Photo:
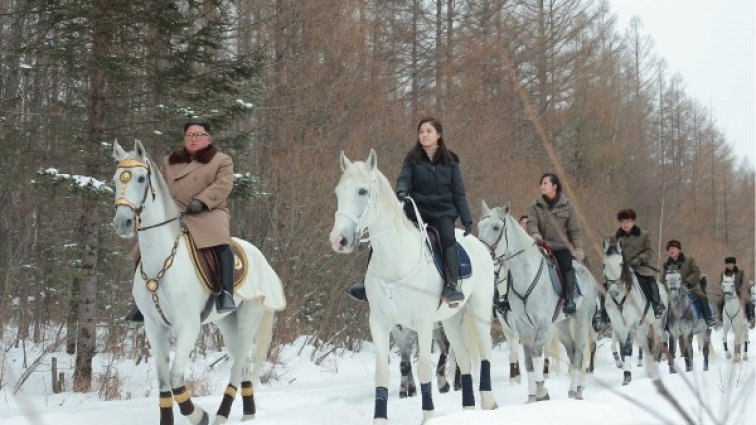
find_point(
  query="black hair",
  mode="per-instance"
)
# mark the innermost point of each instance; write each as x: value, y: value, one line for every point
x: 442, y: 155
x: 554, y: 180
x: 201, y: 123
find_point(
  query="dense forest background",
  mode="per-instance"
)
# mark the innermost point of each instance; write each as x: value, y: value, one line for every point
x: 288, y: 84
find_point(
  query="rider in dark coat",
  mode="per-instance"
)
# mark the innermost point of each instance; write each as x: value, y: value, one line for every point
x: 431, y: 177
x: 691, y: 275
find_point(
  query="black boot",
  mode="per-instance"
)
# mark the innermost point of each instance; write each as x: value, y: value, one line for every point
x: 750, y: 314
x: 134, y: 315
x: 357, y: 291
x: 502, y: 304
x: 224, y: 301
x: 569, y: 282
x: 703, y: 302
x: 600, y: 317
x: 656, y: 300
x: 452, y: 293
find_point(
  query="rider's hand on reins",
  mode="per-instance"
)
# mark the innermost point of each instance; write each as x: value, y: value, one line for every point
x: 195, y: 207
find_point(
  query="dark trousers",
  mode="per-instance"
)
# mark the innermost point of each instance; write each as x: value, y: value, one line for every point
x: 564, y: 259
x: 445, y: 227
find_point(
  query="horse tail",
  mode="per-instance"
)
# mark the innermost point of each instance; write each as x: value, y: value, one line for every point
x: 553, y: 350
x: 262, y: 342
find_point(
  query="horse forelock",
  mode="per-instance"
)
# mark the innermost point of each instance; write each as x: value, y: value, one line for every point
x: 386, y: 196
x: 612, y: 250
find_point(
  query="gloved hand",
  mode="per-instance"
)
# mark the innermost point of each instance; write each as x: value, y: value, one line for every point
x: 635, y: 263
x: 468, y: 228
x: 195, y: 207
x: 402, y: 195
x: 579, y: 254
x: 538, y: 238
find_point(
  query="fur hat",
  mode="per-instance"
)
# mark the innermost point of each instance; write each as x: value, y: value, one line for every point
x: 730, y: 260
x: 674, y: 243
x: 626, y: 214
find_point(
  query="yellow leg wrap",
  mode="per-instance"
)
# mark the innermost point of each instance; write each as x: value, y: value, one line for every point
x: 181, y: 397
x: 230, y: 391
x: 246, y: 392
x: 166, y: 402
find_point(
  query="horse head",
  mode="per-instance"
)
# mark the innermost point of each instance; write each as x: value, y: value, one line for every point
x: 613, y: 267
x: 356, y: 194
x: 133, y: 184
x: 492, y: 229
x: 674, y: 280
x: 728, y: 286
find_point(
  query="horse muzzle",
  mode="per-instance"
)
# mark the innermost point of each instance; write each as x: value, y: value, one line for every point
x: 342, y: 244
x: 123, y: 223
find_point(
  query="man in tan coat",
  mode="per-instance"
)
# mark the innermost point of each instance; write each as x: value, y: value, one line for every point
x: 691, y: 275
x: 200, y: 178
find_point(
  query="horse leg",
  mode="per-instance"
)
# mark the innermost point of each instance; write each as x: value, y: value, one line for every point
x: 453, y: 328
x: 157, y: 335
x: 530, y: 369
x: 262, y: 340
x: 541, y: 393
x: 481, y: 330
x: 640, y: 356
x: 565, y: 336
x: 725, y: 331
x: 706, y: 345
x: 670, y: 351
x: 627, y: 358
x: 239, y: 330
x: 186, y: 337
x: 615, y: 350
x: 443, y: 345
x: 380, y: 333
x: 425, y: 368
x: 403, y: 339
x: 689, y: 353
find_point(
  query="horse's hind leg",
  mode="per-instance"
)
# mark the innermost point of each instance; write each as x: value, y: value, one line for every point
x: 481, y: 331
x: 453, y: 328
x: 706, y: 345
x: 443, y: 345
x: 158, y: 338
x: 403, y: 338
x: 688, y: 343
x: 186, y: 337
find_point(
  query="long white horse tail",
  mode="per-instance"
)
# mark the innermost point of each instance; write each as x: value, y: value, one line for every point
x: 262, y: 342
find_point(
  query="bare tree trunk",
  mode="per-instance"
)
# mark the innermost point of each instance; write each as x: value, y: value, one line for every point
x: 415, y: 67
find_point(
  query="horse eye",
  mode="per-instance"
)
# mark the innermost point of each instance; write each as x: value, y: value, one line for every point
x: 496, y: 228
x: 363, y: 192
x: 141, y: 179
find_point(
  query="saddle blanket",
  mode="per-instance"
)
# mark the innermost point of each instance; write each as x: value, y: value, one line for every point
x: 465, y: 266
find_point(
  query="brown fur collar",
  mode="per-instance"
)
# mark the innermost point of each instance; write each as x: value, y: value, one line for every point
x: 182, y: 155
x: 634, y: 231
x: 670, y: 261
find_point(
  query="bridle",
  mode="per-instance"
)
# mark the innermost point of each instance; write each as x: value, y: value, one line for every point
x: 360, y: 229
x: 152, y: 284
x: 125, y: 179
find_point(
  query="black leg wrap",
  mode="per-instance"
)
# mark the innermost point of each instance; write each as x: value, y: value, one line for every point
x: 166, y: 408
x: 228, y: 399
x: 381, y: 403
x: 186, y: 407
x: 248, y: 398
x: 425, y: 392
x: 468, y: 398
x: 485, y: 375
x: 405, y: 368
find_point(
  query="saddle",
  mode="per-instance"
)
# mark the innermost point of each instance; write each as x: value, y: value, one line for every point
x: 555, y: 274
x: 463, y: 259
x: 207, y: 265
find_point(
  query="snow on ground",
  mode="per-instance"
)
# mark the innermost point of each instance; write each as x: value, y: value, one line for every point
x: 340, y: 391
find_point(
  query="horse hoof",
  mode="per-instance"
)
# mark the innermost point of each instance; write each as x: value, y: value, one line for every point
x: 627, y: 378
x: 531, y: 399
x: 220, y: 420
x: 205, y: 420
x: 672, y: 370
x: 412, y: 392
x: 445, y: 389
x: 544, y: 398
x: 619, y: 365
x: 579, y: 392
x: 247, y: 418
x: 402, y: 394
x: 728, y: 355
x: 572, y: 394
x: 545, y: 375
x: 690, y: 369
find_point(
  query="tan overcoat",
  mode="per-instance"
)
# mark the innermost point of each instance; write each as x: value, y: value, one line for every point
x: 208, y: 177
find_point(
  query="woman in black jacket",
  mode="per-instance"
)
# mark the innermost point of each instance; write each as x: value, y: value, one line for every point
x: 431, y: 176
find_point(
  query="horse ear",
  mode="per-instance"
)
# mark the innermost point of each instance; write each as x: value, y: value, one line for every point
x: 118, y: 152
x: 605, y: 243
x: 484, y: 207
x: 139, y: 149
x: 344, y: 161
x: 506, y: 207
x: 372, y: 160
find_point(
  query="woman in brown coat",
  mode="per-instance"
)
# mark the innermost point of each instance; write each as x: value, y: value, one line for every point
x: 552, y: 219
x: 200, y: 178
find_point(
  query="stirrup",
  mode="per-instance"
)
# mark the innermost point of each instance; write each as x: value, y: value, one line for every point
x: 453, y: 296
x: 224, y: 302
x: 569, y: 307
x: 134, y: 315
x: 659, y: 311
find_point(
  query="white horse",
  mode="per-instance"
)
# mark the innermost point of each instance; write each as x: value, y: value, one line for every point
x: 630, y: 311
x: 171, y: 296
x: 403, y: 285
x: 683, y: 323
x: 535, y: 304
x: 733, y: 317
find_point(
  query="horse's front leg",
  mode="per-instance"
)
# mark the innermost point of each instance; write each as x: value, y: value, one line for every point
x: 186, y: 337
x: 158, y: 336
x: 380, y: 331
x: 425, y: 368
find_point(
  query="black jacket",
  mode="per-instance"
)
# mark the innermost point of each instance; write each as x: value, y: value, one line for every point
x: 437, y: 188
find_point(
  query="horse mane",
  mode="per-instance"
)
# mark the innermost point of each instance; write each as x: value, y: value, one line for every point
x: 612, y: 249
